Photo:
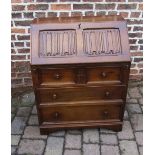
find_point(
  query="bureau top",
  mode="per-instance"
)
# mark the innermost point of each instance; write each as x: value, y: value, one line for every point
x: 77, y: 19
x: 63, y: 40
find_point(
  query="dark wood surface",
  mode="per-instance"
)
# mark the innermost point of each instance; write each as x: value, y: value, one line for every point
x: 80, y: 91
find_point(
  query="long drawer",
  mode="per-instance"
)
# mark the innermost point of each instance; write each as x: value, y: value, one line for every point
x: 80, y: 94
x: 71, y: 113
x: 72, y: 75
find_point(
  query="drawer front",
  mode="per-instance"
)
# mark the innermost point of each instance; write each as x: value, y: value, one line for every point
x: 80, y: 94
x: 56, y: 76
x: 80, y: 113
x: 104, y: 74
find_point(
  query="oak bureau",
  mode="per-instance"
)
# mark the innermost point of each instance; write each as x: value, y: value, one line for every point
x: 80, y: 70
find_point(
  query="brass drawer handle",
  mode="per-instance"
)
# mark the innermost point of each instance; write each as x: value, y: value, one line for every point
x: 105, y: 114
x: 104, y: 75
x: 57, y: 76
x: 107, y: 93
x: 54, y: 96
x: 56, y: 115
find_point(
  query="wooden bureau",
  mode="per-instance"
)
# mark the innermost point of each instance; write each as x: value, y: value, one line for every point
x: 80, y: 70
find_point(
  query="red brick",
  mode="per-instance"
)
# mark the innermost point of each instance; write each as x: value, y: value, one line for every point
x: 126, y: 6
x: 112, y: 13
x: 16, y: 15
x: 23, y: 75
x: 133, y: 47
x: 133, y: 71
x: 40, y: 14
x: 37, y: 7
x: 28, y: 15
x: 12, y: 64
x: 16, y: 81
x: 52, y: 14
x: 89, y: 13
x: 18, y: 7
x: 134, y: 21
x: 27, y: 1
x: 141, y: 71
x: 18, y: 57
x: 115, y: 0
x: 76, y: 13
x: 64, y: 14
x: 19, y: 44
x: 17, y: 30
x: 135, y: 0
x: 138, y: 28
x: 140, y: 65
x: 23, y: 37
x: 136, y: 54
x: 124, y: 14
x: 101, y: 13
x: 138, y: 59
x: 12, y: 45
x: 140, y: 41
x: 132, y: 41
x: 82, y: 6
x: 46, y: 0
x: 23, y: 23
x: 28, y: 44
x: 140, y: 7
x: 23, y: 66
x: 69, y: 0
x: 133, y: 65
x: 92, y: 0
x: 135, y: 14
x: 14, y: 69
x: 13, y: 37
x: 13, y: 75
x: 13, y: 51
x: 24, y: 50
x: 136, y: 77
x: 16, y: 1
x: 141, y: 47
x: 135, y: 35
x: 27, y: 81
x: 105, y: 6
x: 60, y: 6
x: 129, y: 28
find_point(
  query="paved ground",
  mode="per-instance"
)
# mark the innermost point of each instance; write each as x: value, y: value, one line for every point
x: 27, y: 140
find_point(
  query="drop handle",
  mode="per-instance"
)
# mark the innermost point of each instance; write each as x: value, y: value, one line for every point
x: 105, y: 114
x: 57, y: 76
x: 107, y: 93
x: 54, y: 96
x: 56, y: 115
x: 104, y: 75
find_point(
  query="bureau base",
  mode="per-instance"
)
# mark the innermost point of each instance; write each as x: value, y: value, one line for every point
x: 46, y: 129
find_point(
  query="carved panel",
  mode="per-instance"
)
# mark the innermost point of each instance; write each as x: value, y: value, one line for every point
x: 101, y: 42
x: 57, y: 43
x: 81, y: 76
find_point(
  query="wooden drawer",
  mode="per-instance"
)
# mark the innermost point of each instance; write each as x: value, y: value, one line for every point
x: 56, y: 76
x: 104, y: 74
x: 80, y: 94
x: 91, y: 112
x: 77, y: 74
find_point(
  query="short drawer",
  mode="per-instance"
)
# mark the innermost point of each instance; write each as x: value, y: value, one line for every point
x: 104, y: 74
x: 80, y: 94
x: 90, y: 112
x: 56, y: 76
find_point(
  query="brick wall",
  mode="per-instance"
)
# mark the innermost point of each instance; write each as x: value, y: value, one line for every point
x: 24, y: 11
